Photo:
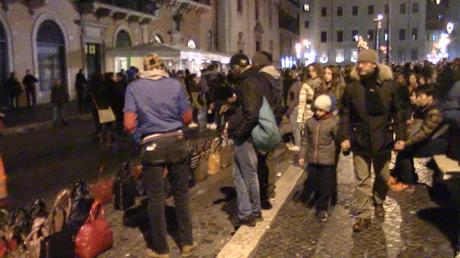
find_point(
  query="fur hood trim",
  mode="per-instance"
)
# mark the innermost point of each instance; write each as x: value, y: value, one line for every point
x: 385, y: 73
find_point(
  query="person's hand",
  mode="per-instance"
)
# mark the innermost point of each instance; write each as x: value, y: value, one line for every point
x: 301, y: 162
x: 224, y: 108
x: 345, y: 145
x: 400, y: 145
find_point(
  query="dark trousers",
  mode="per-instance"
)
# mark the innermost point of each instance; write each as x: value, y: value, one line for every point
x: 14, y: 101
x: 171, y: 153
x: 31, y: 97
x: 267, y: 167
x: 80, y: 99
x: 404, y: 169
x: 322, y: 180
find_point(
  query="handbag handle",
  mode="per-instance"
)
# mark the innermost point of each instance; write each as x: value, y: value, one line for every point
x: 95, y: 212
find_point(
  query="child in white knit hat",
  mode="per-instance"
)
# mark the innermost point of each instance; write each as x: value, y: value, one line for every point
x: 318, y: 150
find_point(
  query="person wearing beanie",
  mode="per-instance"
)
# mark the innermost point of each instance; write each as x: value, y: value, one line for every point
x: 318, y: 150
x: 272, y: 86
x: 155, y: 111
x: 370, y: 104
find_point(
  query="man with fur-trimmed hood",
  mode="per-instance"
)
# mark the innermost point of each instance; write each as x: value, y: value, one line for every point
x: 370, y: 116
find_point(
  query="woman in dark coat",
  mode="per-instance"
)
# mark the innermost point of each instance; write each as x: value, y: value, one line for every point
x: 59, y: 98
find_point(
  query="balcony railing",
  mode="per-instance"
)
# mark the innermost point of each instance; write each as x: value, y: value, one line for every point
x: 149, y: 7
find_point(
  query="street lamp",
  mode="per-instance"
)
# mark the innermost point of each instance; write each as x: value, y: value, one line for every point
x: 378, y: 26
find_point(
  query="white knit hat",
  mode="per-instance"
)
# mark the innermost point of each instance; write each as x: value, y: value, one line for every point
x: 323, y: 102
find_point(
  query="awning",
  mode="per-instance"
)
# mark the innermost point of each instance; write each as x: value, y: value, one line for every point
x: 170, y: 52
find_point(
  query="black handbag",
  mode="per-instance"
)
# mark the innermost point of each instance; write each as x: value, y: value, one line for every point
x: 58, y: 245
x: 80, y: 207
x: 124, y: 189
x: 136, y: 216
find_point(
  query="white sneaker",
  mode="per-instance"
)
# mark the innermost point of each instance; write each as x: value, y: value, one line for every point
x: 193, y: 125
x: 294, y: 148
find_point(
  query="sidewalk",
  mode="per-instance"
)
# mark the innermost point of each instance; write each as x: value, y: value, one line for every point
x: 26, y: 119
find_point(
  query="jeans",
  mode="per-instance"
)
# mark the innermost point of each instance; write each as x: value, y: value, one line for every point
x: 168, y: 152
x: 295, y: 126
x: 246, y: 180
x: 323, y: 179
x: 58, y: 115
x: 370, y: 193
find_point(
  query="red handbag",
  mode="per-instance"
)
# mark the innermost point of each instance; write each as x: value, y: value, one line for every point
x: 95, y: 236
x: 102, y: 189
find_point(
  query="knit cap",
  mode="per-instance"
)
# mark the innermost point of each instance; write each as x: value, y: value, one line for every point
x: 323, y: 102
x: 368, y: 55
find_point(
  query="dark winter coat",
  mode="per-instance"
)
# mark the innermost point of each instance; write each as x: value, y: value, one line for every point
x: 319, y: 142
x: 29, y: 81
x: 244, y: 115
x: 103, y: 95
x: 59, y: 95
x: 80, y: 81
x: 429, y: 120
x: 13, y: 86
x: 372, y: 114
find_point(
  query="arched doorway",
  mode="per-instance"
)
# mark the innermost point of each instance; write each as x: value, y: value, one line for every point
x: 122, y: 40
x: 3, y: 66
x: 50, y: 55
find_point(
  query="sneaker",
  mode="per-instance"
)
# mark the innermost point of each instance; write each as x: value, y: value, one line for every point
x: 322, y: 216
x: 266, y: 204
x: 246, y: 221
x: 188, y: 250
x: 257, y: 216
x: 150, y: 253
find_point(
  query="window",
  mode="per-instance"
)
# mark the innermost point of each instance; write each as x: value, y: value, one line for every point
x: 307, y: 24
x: 370, y: 35
x: 239, y: 6
x: 93, y: 58
x: 414, y: 34
x: 323, y: 11
x: 402, y: 34
x: 257, y: 10
x: 50, y: 54
x: 258, y: 45
x: 414, y: 54
x: 354, y: 10
x: 402, y: 9
x: 323, y: 36
x: 339, y: 11
x: 354, y: 35
x: 270, y: 16
x: 414, y: 7
x: 306, y: 8
x: 339, y: 36
x: 387, y: 9
x: 370, y: 10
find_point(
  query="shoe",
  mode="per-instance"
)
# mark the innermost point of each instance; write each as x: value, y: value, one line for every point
x: 361, y: 225
x: 257, y: 216
x: 379, y: 211
x: 188, y: 250
x: 246, y: 221
x: 150, y: 253
x: 322, y: 216
x: 266, y: 204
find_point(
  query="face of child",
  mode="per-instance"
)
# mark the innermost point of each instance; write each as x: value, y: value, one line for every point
x: 320, y: 114
x: 424, y: 100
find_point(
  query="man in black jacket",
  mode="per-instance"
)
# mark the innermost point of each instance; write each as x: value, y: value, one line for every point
x: 29, y: 84
x: 243, y: 117
x: 371, y: 114
x: 272, y: 84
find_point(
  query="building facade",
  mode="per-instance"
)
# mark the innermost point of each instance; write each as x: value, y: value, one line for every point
x: 332, y: 28
x: 289, y: 18
x: 56, y: 38
x: 248, y: 26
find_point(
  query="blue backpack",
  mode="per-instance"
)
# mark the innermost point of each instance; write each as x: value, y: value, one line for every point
x: 266, y: 136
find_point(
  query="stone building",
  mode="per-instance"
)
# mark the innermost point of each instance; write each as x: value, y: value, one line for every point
x: 55, y: 38
x: 289, y: 18
x: 332, y: 27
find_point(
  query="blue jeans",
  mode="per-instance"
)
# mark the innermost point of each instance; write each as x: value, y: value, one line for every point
x: 246, y: 180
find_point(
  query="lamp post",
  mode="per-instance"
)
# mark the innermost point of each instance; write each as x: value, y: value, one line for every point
x: 378, y: 26
x: 387, y: 56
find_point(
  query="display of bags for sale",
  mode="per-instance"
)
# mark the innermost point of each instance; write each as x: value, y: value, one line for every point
x: 201, y: 171
x: 81, y: 205
x: 60, y: 211
x: 124, y: 189
x: 214, y: 158
x: 102, y: 189
x: 95, y: 236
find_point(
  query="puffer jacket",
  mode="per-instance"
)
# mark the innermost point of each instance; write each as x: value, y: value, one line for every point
x: 244, y: 114
x: 372, y: 133
x: 319, y: 143
x: 430, y: 119
x: 306, y: 96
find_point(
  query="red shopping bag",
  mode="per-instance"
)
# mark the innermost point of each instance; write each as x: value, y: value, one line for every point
x: 95, y: 236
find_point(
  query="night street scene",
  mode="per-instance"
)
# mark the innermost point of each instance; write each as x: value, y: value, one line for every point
x: 229, y: 128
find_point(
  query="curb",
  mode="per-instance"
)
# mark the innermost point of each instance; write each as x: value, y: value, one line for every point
x: 245, y: 240
x: 40, y: 125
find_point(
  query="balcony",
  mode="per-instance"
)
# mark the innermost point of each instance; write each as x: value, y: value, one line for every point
x: 199, y: 6
x: 141, y: 11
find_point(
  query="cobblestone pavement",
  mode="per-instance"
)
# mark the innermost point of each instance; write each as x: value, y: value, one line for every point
x: 413, y: 227
x: 211, y: 202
